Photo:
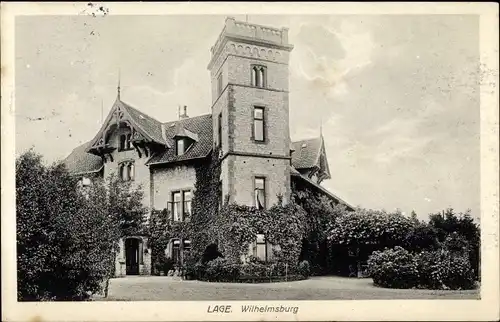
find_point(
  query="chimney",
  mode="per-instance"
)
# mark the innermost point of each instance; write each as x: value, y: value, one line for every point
x: 184, y: 113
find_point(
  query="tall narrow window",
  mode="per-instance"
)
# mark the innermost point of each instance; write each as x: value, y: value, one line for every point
x: 180, y: 147
x: 258, y: 124
x: 123, y: 139
x: 128, y: 144
x: 260, y: 192
x: 260, y: 247
x: 186, y: 201
x: 221, y: 196
x: 187, y: 245
x: 219, y: 134
x: 259, y: 76
x: 131, y: 171
x: 260, y: 82
x: 176, y: 251
x: 219, y: 84
x: 181, y: 205
x: 176, y: 206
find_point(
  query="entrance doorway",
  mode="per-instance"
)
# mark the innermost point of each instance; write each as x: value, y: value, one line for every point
x: 132, y: 256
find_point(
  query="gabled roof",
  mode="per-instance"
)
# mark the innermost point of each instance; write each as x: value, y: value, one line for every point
x: 145, y: 124
x: 148, y: 124
x: 81, y: 162
x: 201, y: 126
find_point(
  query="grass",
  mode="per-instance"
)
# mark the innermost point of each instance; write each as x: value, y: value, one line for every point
x: 160, y: 288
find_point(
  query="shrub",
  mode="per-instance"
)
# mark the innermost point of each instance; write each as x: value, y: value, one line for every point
x: 443, y: 269
x: 439, y: 269
x: 221, y: 270
x: 393, y: 268
x: 256, y: 269
x: 304, y: 268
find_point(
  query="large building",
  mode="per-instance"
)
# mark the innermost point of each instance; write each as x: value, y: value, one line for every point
x: 248, y: 120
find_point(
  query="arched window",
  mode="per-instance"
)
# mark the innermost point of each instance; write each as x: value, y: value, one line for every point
x: 259, y: 75
x: 127, y: 171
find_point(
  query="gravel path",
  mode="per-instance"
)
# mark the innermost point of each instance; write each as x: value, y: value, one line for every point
x: 161, y: 288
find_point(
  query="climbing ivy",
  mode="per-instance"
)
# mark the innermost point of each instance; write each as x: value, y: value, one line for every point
x: 283, y: 226
x: 205, y: 203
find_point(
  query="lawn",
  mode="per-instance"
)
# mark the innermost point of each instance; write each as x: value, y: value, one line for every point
x: 160, y: 288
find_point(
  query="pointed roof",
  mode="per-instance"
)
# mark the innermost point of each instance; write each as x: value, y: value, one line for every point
x: 310, y: 153
x: 306, y: 153
x: 148, y: 124
x: 149, y: 127
x: 81, y: 162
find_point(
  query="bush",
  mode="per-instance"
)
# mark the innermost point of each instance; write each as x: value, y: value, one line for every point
x: 221, y: 270
x: 442, y: 269
x: 304, y: 268
x: 256, y: 269
x: 393, y: 268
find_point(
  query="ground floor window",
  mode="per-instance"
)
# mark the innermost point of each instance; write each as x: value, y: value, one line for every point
x: 176, y: 252
x: 260, y: 247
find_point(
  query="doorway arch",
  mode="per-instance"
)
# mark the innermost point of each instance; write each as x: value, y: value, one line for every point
x: 133, y: 255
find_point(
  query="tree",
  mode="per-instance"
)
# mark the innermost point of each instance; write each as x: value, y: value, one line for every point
x: 448, y: 222
x: 67, y: 234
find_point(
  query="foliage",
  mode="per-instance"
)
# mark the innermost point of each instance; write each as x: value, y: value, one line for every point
x: 304, y: 268
x: 321, y: 212
x: 205, y: 203
x: 463, y: 224
x: 161, y: 231
x: 438, y: 269
x: 283, y: 225
x: 67, y: 234
x: 370, y: 227
x: 393, y: 268
x: 421, y: 236
x: 221, y: 270
x: 441, y: 269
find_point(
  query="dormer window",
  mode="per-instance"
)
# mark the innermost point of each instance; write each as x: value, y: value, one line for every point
x: 259, y: 76
x: 184, y: 139
x: 181, y: 146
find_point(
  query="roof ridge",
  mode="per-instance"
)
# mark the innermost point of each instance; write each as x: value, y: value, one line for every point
x: 189, y: 118
x: 141, y: 112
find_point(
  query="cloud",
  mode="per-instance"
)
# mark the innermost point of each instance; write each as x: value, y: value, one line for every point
x: 326, y: 55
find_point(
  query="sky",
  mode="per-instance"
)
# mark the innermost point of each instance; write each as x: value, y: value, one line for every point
x: 397, y: 96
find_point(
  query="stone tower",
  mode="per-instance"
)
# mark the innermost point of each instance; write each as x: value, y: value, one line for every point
x: 249, y: 73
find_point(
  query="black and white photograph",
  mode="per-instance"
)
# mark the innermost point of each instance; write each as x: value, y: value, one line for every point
x: 250, y: 163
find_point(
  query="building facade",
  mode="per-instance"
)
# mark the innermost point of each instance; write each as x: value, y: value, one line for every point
x: 248, y: 121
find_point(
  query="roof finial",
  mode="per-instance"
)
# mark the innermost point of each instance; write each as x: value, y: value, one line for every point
x: 246, y: 18
x: 119, y: 85
x: 321, y: 128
